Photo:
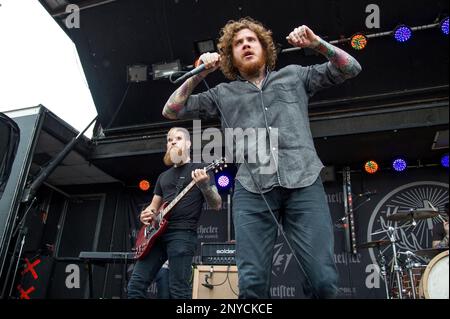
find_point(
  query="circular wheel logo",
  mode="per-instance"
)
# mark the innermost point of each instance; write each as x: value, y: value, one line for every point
x: 424, y: 195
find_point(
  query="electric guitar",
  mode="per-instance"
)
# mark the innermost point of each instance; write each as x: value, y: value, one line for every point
x: 149, y: 233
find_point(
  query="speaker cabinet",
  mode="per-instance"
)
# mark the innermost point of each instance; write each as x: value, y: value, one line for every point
x: 215, y: 282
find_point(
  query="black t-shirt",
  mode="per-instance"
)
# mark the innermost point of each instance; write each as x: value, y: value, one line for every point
x: 186, y: 213
x: 438, y: 232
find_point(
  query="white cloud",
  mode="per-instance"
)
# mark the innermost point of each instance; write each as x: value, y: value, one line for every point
x: 39, y: 64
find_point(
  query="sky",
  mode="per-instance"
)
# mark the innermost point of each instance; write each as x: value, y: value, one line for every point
x: 39, y: 64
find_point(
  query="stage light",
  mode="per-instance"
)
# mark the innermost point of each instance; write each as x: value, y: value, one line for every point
x: 358, y: 41
x: 204, y: 46
x: 444, y: 161
x: 164, y: 70
x: 399, y: 165
x: 144, y: 185
x: 444, y: 26
x: 223, y: 181
x: 371, y: 167
x: 402, y: 33
x: 137, y: 73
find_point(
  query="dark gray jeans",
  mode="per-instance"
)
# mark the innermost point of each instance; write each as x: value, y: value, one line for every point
x: 179, y: 247
x: 307, y: 222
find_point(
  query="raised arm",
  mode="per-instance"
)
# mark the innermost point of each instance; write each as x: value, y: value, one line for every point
x: 178, y: 99
x: 304, y: 37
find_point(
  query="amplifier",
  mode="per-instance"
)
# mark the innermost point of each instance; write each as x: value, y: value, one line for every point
x: 218, y: 253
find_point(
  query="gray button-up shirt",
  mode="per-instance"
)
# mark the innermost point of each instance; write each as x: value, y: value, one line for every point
x: 281, y: 103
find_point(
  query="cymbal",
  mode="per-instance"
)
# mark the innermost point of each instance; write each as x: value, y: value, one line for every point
x: 430, y: 253
x: 372, y: 244
x: 415, y: 214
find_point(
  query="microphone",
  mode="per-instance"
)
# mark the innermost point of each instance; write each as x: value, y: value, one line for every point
x: 341, y: 221
x: 195, y: 71
x: 206, y: 283
x: 368, y: 193
x: 209, y: 286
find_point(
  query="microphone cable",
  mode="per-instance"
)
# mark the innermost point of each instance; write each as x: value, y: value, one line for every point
x: 211, y: 286
x: 280, y: 228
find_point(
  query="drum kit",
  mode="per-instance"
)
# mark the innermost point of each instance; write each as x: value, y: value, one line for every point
x: 408, y: 277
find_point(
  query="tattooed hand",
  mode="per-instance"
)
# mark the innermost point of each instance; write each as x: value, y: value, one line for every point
x: 303, y: 37
x: 211, y: 61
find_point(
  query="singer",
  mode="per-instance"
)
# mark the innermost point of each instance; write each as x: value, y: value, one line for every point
x: 260, y: 97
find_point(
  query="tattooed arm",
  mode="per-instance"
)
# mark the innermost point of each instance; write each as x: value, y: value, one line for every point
x: 178, y: 99
x: 304, y: 37
x: 212, y: 197
x: 339, y: 58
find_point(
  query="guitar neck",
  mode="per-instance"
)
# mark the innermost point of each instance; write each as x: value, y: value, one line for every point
x: 215, y: 164
x: 177, y: 199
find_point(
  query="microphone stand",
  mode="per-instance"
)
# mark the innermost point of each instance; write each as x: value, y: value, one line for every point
x: 409, y: 266
x: 42, y: 176
x: 382, y: 261
x: 397, y: 269
x: 341, y: 220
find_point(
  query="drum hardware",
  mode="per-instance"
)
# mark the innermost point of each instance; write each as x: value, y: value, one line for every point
x: 381, y: 260
x: 429, y: 253
x: 413, y: 215
x: 410, y: 264
x: 374, y: 244
x: 391, y: 231
x: 405, y: 274
x: 383, y: 272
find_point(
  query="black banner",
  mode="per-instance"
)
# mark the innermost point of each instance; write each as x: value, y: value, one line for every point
x: 374, y: 198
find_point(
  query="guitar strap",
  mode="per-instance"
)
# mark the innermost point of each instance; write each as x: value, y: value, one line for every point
x: 181, y: 181
x: 180, y: 184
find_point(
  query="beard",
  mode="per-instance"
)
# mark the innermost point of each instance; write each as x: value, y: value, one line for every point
x: 174, y: 156
x: 251, y: 68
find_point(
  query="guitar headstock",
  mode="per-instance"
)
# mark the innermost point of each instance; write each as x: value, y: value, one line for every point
x: 216, y: 165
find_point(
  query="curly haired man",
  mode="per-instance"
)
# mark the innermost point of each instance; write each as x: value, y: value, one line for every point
x: 259, y: 96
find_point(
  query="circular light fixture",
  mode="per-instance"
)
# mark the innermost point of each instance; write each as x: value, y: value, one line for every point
x: 144, y: 185
x: 371, y: 167
x: 402, y: 33
x: 223, y: 181
x: 399, y: 165
x: 444, y: 161
x: 444, y: 26
x: 358, y: 41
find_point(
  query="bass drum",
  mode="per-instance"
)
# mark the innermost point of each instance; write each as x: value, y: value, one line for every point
x: 435, y: 282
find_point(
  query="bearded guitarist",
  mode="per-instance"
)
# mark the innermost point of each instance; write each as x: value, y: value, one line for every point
x: 179, y: 241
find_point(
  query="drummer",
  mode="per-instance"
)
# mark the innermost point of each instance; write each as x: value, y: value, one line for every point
x: 440, y: 232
